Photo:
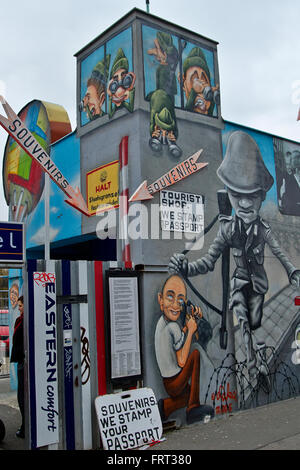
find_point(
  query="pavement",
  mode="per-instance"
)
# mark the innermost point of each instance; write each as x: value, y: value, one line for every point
x: 275, y: 426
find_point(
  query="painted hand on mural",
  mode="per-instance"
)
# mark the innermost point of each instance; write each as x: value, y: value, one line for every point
x: 295, y: 278
x: 179, y: 264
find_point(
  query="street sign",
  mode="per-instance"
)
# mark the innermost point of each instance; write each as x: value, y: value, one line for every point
x: 12, y: 243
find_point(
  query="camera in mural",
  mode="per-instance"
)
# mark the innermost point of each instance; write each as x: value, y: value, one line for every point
x: 107, y: 79
x: 287, y: 161
x: 177, y: 74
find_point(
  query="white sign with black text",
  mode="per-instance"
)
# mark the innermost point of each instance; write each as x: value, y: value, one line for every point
x: 128, y: 420
x: 45, y: 347
x: 125, y: 336
x: 181, y: 212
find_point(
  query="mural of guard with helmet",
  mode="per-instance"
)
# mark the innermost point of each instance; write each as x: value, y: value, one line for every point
x: 247, y: 180
x: 163, y: 124
x: 201, y: 97
x: 94, y: 98
x: 120, y: 88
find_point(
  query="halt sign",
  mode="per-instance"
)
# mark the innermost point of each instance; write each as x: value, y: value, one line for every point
x: 128, y: 420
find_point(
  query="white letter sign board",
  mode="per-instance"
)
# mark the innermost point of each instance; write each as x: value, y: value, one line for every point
x: 128, y: 420
x: 45, y: 337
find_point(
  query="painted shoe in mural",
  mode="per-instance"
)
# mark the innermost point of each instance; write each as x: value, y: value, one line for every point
x: 155, y: 144
x: 174, y: 150
x: 199, y: 414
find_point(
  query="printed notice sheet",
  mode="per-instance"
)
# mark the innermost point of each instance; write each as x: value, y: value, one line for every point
x: 124, y: 318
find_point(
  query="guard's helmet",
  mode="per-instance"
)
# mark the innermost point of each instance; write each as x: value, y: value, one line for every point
x: 243, y: 169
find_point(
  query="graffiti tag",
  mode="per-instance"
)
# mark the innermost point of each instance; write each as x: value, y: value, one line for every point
x: 224, y: 395
x: 85, y: 362
x: 42, y: 278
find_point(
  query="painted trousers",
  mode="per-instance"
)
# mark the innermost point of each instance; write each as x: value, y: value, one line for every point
x: 181, y: 392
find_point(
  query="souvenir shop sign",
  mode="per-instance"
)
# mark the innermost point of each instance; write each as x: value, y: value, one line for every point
x: 128, y: 420
x: 181, y: 212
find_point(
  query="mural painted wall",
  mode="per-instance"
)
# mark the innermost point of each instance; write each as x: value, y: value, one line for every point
x: 212, y: 358
x: 219, y: 319
x: 287, y: 163
x: 177, y: 74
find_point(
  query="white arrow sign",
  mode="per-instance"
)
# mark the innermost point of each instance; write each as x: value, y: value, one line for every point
x: 179, y: 172
x: 19, y: 132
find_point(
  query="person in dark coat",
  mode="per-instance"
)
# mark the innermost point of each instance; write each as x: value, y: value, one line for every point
x: 18, y: 356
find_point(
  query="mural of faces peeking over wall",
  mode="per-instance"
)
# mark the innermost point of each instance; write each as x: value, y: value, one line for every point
x: 107, y: 79
x: 177, y: 74
x: 121, y: 79
x: 287, y: 164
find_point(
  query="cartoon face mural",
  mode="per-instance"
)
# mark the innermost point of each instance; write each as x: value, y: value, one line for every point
x: 14, y: 294
x: 120, y: 87
x: 287, y: 162
x: 177, y: 363
x: 107, y: 79
x: 93, y: 101
x: 200, y: 95
x: 246, y: 234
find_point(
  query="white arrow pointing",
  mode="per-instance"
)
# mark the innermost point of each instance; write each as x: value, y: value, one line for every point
x: 179, y: 172
x: 19, y: 132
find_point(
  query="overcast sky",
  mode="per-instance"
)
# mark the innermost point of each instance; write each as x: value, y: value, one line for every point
x: 258, y: 51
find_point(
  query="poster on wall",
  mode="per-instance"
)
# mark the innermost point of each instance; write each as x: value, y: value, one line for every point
x: 287, y: 164
x: 102, y: 187
x: 124, y: 325
x: 45, y: 359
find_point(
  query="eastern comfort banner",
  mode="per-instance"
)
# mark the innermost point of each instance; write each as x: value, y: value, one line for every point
x: 45, y: 343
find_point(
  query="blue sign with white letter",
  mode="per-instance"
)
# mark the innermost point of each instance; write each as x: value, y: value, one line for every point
x: 12, y: 247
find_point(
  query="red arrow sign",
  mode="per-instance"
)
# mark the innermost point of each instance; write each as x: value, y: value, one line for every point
x: 178, y: 173
x: 19, y: 132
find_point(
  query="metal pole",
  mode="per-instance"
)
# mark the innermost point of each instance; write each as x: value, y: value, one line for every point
x: 147, y: 6
x: 47, y: 218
